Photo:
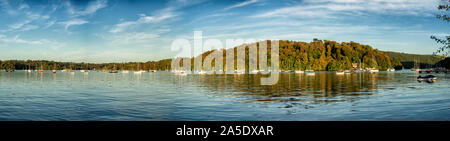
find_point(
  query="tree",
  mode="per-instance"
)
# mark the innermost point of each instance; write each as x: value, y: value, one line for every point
x: 446, y: 40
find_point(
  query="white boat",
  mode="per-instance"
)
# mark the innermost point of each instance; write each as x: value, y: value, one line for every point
x: 201, y: 72
x: 339, y: 72
x: 310, y: 72
x: 254, y: 72
x: 82, y: 71
x: 239, y: 72
x: 299, y: 71
x: 219, y: 72
x: 125, y: 71
x: 179, y: 72
x: 138, y: 72
x: 373, y: 70
x: 229, y: 72
x: 391, y: 69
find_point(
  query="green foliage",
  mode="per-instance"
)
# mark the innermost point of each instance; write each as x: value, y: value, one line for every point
x: 407, y: 60
x: 294, y: 55
x: 444, y: 63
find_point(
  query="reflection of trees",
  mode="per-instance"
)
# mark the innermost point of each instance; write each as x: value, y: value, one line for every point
x: 324, y: 87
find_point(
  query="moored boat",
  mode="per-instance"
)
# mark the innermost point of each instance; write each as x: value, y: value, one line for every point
x: 299, y: 71
x: 428, y: 77
x: 339, y: 72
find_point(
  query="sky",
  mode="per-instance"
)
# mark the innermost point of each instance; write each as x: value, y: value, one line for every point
x: 99, y: 31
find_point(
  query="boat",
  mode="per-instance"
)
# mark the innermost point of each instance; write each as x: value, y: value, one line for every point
x: 339, y: 72
x: 54, y: 68
x: 219, y: 72
x: 391, y: 69
x: 28, y: 70
x: 201, y: 72
x: 416, y: 66
x: 125, y: 71
x: 82, y: 71
x: 347, y: 71
x: 139, y: 71
x: 428, y: 77
x: 179, y: 72
x: 372, y: 70
x: 299, y: 71
x: 310, y: 72
x: 254, y: 72
x: 239, y: 72
x: 113, y: 71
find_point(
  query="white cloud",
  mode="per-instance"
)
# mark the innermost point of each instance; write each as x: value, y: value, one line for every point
x: 49, y: 24
x: 25, y: 24
x: 35, y: 43
x: 29, y: 27
x: 248, y: 2
x: 73, y: 22
x: 133, y: 38
x: 90, y: 9
x: 331, y: 8
x: 17, y: 39
x: 144, y: 19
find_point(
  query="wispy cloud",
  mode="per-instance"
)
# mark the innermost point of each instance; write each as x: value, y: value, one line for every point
x: 33, y: 43
x: 133, y: 38
x: 90, y: 9
x: 331, y: 8
x: 248, y: 2
x: 73, y: 22
x: 17, y: 39
x: 144, y: 19
x: 27, y: 18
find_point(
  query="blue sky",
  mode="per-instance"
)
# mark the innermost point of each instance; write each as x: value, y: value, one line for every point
x: 142, y: 30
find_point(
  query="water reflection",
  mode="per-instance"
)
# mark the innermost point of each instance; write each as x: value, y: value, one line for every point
x: 317, y: 87
x: 164, y: 96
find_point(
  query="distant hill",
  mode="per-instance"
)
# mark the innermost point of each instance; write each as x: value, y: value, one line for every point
x: 407, y: 60
x: 319, y: 55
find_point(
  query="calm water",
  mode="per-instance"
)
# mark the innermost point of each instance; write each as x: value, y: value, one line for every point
x: 163, y: 96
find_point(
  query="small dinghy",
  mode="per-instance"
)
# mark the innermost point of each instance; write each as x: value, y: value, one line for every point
x: 428, y: 77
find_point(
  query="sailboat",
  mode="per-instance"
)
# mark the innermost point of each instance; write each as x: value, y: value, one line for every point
x: 416, y: 66
x: 54, y: 68
x: 124, y: 71
x: 372, y: 70
x: 114, y: 70
x: 41, y: 70
x: 70, y: 70
x: 86, y: 71
x: 29, y: 69
x: 139, y: 71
